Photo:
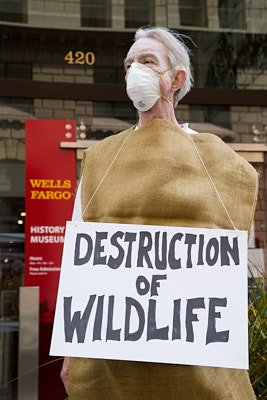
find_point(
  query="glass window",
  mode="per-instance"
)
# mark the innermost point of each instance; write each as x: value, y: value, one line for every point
x: 13, y: 10
x: 12, y: 182
x: 193, y: 12
x: 110, y: 118
x: 109, y: 75
x: 12, y: 218
x: 17, y: 106
x: 138, y: 13
x: 218, y: 115
x: 96, y: 13
x: 15, y: 71
x: 222, y: 71
x: 122, y: 111
x: 232, y: 14
x: 228, y: 59
x: 213, y: 119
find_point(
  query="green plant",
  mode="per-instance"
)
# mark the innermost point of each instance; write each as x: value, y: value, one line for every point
x: 257, y: 312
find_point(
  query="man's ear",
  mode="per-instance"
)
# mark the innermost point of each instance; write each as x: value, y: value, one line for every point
x: 178, y: 80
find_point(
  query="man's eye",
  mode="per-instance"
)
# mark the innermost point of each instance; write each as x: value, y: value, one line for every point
x: 128, y: 66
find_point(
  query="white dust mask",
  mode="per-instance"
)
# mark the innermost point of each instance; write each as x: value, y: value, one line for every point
x: 143, y: 86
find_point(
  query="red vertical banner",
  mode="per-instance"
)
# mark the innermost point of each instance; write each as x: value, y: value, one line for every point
x: 50, y: 191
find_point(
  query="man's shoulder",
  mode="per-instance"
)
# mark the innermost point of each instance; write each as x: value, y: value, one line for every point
x: 218, y: 152
x: 109, y: 143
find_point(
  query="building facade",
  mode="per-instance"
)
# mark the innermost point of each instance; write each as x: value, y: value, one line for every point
x: 63, y: 59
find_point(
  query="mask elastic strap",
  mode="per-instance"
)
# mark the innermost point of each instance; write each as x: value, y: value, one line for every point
x: 165, y: 98
x: 169, y: 70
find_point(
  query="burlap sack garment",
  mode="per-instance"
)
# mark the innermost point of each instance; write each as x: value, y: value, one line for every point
x: 158, y: 179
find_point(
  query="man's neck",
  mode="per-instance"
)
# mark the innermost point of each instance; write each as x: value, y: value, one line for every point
x: 164, y: 111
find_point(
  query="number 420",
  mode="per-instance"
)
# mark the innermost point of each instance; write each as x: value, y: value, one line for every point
x: 80, y: 57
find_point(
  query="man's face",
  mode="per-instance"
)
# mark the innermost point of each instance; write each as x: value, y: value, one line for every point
x: 153, y: 54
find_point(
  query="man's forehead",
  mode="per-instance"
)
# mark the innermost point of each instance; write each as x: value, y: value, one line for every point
x: 147, y: 45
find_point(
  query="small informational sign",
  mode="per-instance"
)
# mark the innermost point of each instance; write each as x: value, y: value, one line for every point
x: 153, y: 293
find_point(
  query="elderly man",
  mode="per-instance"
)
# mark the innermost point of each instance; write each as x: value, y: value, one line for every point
x: 161, y: 173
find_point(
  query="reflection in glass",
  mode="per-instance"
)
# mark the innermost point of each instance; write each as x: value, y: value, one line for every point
x: 110, y: 118
x: 15, y: 106
x: 138, y: 13
x: 218, y: 115
x: 12, y: 221
x: 123, y: 111
x: 228, y: 60
x: 15, y: 70
x: 13, y: 10
x: 11, y: 278
x: 96, y: 13
x: 109, y: 75
x: 193, y: 12
x: 232, y: 14
x: 222, y: 69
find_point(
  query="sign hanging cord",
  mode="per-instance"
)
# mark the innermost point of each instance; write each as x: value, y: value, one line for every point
x: 213, y: 184
x: 200, y: 158
x: 107, y: 171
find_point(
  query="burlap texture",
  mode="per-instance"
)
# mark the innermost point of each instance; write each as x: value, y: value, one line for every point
x: 158, y: 179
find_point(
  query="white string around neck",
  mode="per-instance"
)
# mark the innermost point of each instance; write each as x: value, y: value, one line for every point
x: 200, y: 158
x: 107, y: 171
x: 213, y: 184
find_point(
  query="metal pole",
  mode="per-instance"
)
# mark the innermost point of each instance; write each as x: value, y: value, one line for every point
x: 28, y: 343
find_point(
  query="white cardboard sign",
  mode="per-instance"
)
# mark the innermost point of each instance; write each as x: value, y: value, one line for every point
x: 153, y: 293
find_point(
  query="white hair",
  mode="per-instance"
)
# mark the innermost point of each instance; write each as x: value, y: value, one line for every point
x: 178, y: 53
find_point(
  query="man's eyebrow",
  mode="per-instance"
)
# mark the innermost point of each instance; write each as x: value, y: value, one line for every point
x: 151, y: 55
x: 127, y: 60
x: 141, y: 57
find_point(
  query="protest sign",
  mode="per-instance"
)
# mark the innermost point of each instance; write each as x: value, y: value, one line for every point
x: 153, y: 293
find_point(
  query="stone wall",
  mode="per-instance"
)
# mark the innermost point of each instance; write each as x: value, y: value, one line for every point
x: 54, y: 13
x: 244, y: 118
x: 12, y: 144
x: 81, y: 111
x: 212, y: 13
x: 66, y: 14
x: 251, y: 79
x: 256, y: 16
